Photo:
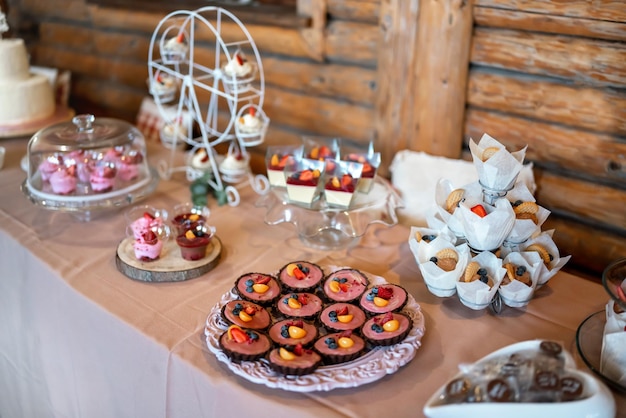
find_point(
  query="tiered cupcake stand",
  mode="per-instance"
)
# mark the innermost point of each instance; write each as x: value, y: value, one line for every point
x: 199, y: 78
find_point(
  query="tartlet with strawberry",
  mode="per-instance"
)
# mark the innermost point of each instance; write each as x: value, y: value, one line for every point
x: 383, y: 298
x: 299, y: 305
x: 339, y: 347
x: 246, y: 315
x: 386, y: 329
x: 339, y: 317
x: 291, y: 332
x: 345, y: 285
x: 300, y: 276
x: 241, y: 344
x: 294, y: 361
x: 259, y: 288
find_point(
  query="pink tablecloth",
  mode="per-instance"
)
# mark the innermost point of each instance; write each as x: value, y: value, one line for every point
x: 79, y: 339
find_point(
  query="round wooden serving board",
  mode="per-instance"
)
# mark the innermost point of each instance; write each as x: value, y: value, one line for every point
x: 170, y: 267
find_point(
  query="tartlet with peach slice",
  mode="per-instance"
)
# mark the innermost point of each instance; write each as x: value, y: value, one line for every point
x: 341, y: 316
x: 259, y: 288
x: 241, y: 344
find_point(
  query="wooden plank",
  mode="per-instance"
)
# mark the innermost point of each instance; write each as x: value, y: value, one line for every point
x: 611, y: 10
x: 313, y: 35
x: 593, y: 202
x: 569, y: 150
x: 100, y: 98
x: 76, y: 10
x: 591, y: 248
x: 396, y: 78
x: 444, y: 37
x: 600, y: 110
x: 352, y: 42
x: 356, y: 10
x: 522, y: 20
x: 587, y: 61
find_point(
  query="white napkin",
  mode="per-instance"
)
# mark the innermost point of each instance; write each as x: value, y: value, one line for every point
x: 613, y: 357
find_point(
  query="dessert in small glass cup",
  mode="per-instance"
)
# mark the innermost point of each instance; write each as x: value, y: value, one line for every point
x: 251, y: 125
x: 187, y: 216
x: 194, y: 242
x: 147, y: 226
x: 238, y: 73
x: 352, y: 151
x: 174, y: 48
x: 321, y: 149
x: 340, y: 186
x: 304, y: 181
x: 277, y: 158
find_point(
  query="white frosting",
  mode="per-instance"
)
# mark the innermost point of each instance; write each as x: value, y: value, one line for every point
x: 233, y: 68
x: 172, y: 45
x: 24, y: 97
x: 231, y: 163
x: 201, y: 160
x: 250, y: 123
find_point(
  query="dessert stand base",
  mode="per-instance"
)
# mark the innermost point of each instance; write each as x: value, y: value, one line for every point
x: 170, y: 267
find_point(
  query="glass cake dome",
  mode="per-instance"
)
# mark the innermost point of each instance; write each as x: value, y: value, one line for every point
x: 87, y: 165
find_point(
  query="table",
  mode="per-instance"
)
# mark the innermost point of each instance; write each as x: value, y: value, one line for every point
x: 79, y: 339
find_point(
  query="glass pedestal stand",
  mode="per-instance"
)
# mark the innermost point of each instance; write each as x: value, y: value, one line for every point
x: 323, y: 227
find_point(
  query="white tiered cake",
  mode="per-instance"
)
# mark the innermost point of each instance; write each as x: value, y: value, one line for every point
x: 24, y: 97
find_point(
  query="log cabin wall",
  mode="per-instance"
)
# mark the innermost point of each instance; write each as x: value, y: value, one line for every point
x: 410, y: 74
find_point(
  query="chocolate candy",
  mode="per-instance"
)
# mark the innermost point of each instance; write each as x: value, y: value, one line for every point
x: 571, y: 388
x: 499, y: 391
x: 457, y: 389
x: 551, y: 348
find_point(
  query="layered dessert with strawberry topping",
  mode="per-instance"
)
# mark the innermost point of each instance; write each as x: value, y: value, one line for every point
x: 339, y: 347
x: 386, y: 329
x: 339, y: 190
x: 339, y: 317
x: 194, y: 242
x: 368, y: 173
x: 300, y: 276
x: 241, y: 344
x: 299, y: 305
x: 63, y: 181
x: 258, y: 288
x: 383, y: 298
x: 303, y: 186
x: 291, y: 332
x: 148, y: 246
x: 296, y: 361
x: 246, y: 315
x: 102, y: 178
x: 345, y: 285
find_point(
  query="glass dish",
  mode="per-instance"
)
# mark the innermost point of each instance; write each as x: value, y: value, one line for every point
x: 323, y: 227
x: 614, y: 281
x: 589, y: 344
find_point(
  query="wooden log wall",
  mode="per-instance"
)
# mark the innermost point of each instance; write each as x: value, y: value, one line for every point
x: 419, y: 74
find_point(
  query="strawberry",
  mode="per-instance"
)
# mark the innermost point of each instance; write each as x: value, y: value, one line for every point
x: 303, y: 299
x: 479, y: 210
x: 262, y: 280
x: 148, y: 216
x: 342, y: 311
x: 239, y: 59
x: 250, y: 310
x: 71, y: 170
x: 298, y: 350
x: 283, y: 161
x: 180, y: 38
x: 344, y: 287
x: 299, y: 274
x: 306, y: 175
x: 346, y: 180
x: 324, y: 151
x: 385, y: 292
x: 239, y: 335
x: 252, y: 111
x: 383, y: 319
x: 150, y: 238
x: 297, y: 323
x: 347, y: 333
x: 109, y: 172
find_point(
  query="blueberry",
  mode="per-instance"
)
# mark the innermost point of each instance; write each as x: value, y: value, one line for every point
x: 249, y: 282
x: 370, y: 297
x: 249, y: 289
x: 253, y: 335
x: 332, y: 346
x: 284, y: 333
x: 433, y: 259
x: 238, y: 306
x: 286, y: 301
x: 429, y: 238
x: 305, y: 270
x: 520, y: 270
x: 332, y: 314
x: 334, y: 319
x: 375, y: 290
x: 329, y: 341
x: 484, y: 279
x: 482, y: 272
x: 294, y: 296
x: 343, y: 280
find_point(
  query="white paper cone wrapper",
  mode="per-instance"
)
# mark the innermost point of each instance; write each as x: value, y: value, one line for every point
x: 439, y: 282
x: 613, y: 356
x: 487, y: 233
x: 547, y: 272
x: 477, y: 295
x: 501, y: 170
x: 516, y: 294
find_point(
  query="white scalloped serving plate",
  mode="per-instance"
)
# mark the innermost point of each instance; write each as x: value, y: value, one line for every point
x: 372, y: 366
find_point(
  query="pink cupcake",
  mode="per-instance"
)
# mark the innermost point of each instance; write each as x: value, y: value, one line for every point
x: 63, y: 181
x: 128, y: 165
x: 102, y: 178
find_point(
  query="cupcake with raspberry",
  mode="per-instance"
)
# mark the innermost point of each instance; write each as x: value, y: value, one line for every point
x: 386, y: 329
x: 299, y: 305
x: 383, y: 298
x: 339, y: 317
x: 246, y: 315
x: 345, y: 285
x: 259, y: 288
x: 50, y: 165
x: 102, y: 178
x: 129, y: 164
x: 291, y: 332
x: 300, y: 276
x: 339, y: 347
x: 63, y: 181
x: 296, y: 361
x: 241, y: 344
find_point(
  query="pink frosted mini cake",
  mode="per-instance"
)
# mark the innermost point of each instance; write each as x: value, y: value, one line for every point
x: 102, y: 178
x: 345, y: 285
x: 148, y: 246
x: 128, y: 165
x: 386, y: 329
x: 342, y: 317
x: 246, y: 315
x: 241, y: 344
x: 63, y: 181
x: 300, y: 276
x: 383, y: 298
x: 291, y: 332
x: 299, y: 305
x: 339, y: 347
x: 258, y: 288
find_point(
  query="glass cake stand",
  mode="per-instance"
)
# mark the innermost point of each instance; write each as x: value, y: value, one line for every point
x: 323, y: 227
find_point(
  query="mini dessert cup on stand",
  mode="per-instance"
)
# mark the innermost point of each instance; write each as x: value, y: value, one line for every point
x: 235, y: 165
x: 277, y: 158
x: 351, y: 151
x: 174, y: 134
x: 238, y: 73
x: 486, y: 226
x: 549, y: 252
x: 304, y: 181
x: 339, y: 188
x: 520, y: 281
x: 163, y: 87
x: 147, y: 226
x: 321, y: 149
x: 251, y: 125
x: 476, y: 290
x: 441, y: 264
x: 195, y: 241
x: 187, y: 216
x: 174, y: 45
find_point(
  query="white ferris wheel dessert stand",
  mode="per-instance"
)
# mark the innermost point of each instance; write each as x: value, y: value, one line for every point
x: 191, y: 72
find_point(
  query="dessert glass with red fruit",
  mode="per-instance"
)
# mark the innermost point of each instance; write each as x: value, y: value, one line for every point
x: 363, y: 153
x: 147, y: 226
x: 194, y: 242
x: 340, y: 186
x: 279, y: 157
x: 187, y: 216
x: 321, y: 149
x: 304, y: 181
